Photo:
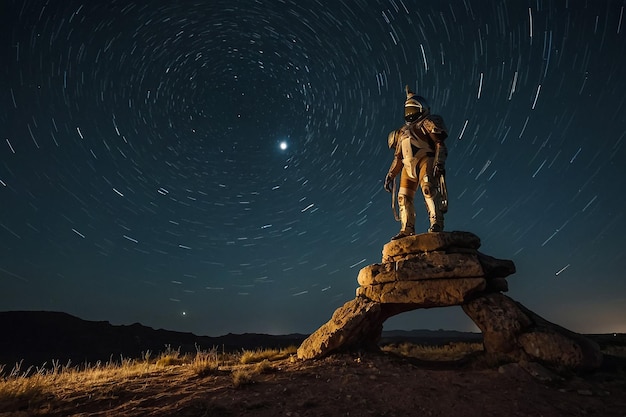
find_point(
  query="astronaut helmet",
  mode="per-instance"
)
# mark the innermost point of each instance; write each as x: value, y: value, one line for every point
x: 415, y: 107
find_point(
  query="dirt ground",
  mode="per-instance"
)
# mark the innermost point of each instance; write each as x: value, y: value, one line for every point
x: 373, y: 384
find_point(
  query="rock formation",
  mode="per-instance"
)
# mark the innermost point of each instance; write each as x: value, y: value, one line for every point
x: 446, y: 269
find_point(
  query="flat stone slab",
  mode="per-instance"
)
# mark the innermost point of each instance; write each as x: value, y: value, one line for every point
x: 496, y: 268
x: 429, y: 242
x: 424, y: 294
x: 423, y: 266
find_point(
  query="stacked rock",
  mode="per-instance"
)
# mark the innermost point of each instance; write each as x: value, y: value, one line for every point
x: 433, y: 270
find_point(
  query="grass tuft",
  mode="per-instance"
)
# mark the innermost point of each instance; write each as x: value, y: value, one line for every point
x: 206, y: 363
x: 171, y: 357
x: 259, y: 355
x: 245, y: 375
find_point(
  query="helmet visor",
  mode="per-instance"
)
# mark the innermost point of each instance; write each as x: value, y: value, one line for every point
x: 412, y: 113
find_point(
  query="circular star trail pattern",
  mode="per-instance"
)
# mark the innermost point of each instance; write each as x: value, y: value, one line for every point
x: 143, y: 176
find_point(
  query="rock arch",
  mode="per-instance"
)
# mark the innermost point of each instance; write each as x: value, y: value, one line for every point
x: 440, y: 270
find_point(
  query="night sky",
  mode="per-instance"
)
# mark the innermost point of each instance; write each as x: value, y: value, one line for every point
x: 217, y: 166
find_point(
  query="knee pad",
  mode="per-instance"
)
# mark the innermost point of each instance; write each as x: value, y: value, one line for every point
x: 428, y: 188
x: 405, y: 200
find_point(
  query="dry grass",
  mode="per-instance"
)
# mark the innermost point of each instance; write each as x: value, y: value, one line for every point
x: 258, y: 362
x: 37, y: 386
x: 449, y: 352
x: 32, y: 387
x: 171, y: 357
x: 244, y: 375
x: 260, y: 355
x: 172, y: 383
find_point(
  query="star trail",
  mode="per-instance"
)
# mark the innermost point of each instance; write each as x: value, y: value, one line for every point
x: 218, y: 166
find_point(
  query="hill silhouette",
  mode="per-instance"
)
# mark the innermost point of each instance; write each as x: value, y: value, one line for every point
x: 35, y: 337
x: 38, y: 337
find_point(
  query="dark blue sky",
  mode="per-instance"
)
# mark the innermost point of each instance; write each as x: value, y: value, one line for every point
x: 141, y: 177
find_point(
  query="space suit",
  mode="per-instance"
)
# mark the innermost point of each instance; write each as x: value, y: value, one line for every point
x: 420, y: 155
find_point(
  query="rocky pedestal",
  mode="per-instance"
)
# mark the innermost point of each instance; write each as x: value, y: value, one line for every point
x: 440, y: 270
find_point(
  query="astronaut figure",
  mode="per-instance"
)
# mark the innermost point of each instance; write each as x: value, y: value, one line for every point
x: 420, y: 154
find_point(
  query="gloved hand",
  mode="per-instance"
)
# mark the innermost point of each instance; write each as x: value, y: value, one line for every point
x: 389, y: 183
x: 440, y: 170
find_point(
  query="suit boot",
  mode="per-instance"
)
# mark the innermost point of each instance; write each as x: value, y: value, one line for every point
x: 435, y: 215
x: 407, y: 216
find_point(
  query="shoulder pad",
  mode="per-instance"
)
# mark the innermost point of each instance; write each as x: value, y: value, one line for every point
x: 433, y: 123
x: 392, y: 138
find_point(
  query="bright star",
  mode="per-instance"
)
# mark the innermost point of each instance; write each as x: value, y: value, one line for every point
x: 283, y: 145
